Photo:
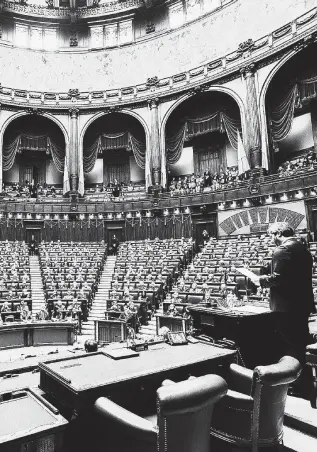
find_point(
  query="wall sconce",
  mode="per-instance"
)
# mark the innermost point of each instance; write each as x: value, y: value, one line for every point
x: 221, y: 206
x: 166, y: 212
x: 81, y: 216
x: 284, y: 197
x: 47, y: 217
x: 66, y: 216
x: 246, y: 203
x: 269, y: 199
x: 187, y: 210
x: 176, y: 211
x: 9, y: 215
x: 129, y: 215
x: 138, y: 214
x: 119, y: 215
x: 299, y: 194
x: 100, y: 216
x: 56, y: 216
x: 148, y: 214
x: 233, y: 205
x: 110, y: 216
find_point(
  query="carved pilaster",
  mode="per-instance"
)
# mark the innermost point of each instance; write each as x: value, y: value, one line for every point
x: 154, y: 154
x: 153, y: 103
x: 73, y: 150
x: 253, y: 139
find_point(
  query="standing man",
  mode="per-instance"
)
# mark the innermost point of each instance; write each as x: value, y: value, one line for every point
x: 289, y: 279
x: 114, y: 244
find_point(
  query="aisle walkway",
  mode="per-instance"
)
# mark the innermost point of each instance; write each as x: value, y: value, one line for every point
x: 37, y: 289
x: 99, y: 304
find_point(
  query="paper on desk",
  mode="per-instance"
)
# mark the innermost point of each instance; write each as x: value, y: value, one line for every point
x: 246, y: 272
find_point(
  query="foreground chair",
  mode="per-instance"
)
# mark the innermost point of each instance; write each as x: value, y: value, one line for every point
x: 183, y: 415
x: 252, y: 413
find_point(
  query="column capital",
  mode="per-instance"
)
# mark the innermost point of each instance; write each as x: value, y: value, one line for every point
x: 153, y: 103
x: 248, y: 70
x: 73, y: 113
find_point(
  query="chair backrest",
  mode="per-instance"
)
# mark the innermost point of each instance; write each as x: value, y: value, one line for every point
x: 270, y: 385
x: 184, y: 413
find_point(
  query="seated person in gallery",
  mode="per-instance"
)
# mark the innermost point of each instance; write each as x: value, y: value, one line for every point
x: 73, y: 308
x: 127, y: 314
x: 115, y: 284
x: 115, y: 306
x: 2, y: 285
x: 59, y: 307
x: 172, y: 310
x: 223, y: 290
x: 24, y: 294
x: 67, y: 297
x: 26, y: 314
x: 175, y: 298
x: 6, y: 307
x: 42, y: 314
x: 10, y: 296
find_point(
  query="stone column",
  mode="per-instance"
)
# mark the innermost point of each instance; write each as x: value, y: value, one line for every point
x: 253, y: 139
x: 154, y: 153
x: 314, y: 123
x: 73, y: 150
x: 1, y: 157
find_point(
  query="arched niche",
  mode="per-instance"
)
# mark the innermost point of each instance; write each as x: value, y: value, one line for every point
x: 291, y: 109
x: 206, y: 146
x: 114, y: 148
x: 33, y: 150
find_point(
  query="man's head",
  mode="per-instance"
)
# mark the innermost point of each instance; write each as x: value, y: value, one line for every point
x: 280, y: 231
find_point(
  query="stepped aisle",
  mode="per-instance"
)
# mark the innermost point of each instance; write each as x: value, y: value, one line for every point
x: 150, y: 329
x: 99, y: 304
x: 37, y: 289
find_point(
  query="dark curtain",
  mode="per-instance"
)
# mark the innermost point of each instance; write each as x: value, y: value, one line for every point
x: 12, y: 230
x: 163, y: 228
x: 76, y: 231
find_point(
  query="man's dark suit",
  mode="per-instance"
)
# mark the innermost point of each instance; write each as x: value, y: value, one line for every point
x: 291, y: 296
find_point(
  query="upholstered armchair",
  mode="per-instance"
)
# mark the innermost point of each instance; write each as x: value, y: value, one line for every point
x: 252, y: 412
x: 182, y: 419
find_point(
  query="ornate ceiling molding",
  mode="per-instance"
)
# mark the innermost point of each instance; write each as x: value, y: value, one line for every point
x: 249, y: 54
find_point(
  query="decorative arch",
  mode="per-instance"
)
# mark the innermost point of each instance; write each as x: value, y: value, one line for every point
x: 25, y: 113
x: 262, y: 100
x: 215, y: 88
x: 135, y: 115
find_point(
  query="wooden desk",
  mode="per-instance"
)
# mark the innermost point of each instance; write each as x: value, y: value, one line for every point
x: 173, y: 323
x: 107, y: 331
x: 26, y: 334
x: 75, y: 383
x: 249, y: 327
x: 30, y: 423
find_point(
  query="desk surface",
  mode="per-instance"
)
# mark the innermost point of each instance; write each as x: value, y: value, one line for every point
x: 242, y: 311
x: 97, y: 369
x: 26, y: 416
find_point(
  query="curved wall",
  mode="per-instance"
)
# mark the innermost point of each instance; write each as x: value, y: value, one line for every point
x: 192, y: 45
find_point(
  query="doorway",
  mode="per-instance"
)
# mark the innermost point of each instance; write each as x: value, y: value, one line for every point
x: 37, y: 232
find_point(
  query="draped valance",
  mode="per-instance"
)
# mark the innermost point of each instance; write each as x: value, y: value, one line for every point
x: 214, y: 122
x: 282, y: 110
x: 121, y: 140
x: 24, y: 142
